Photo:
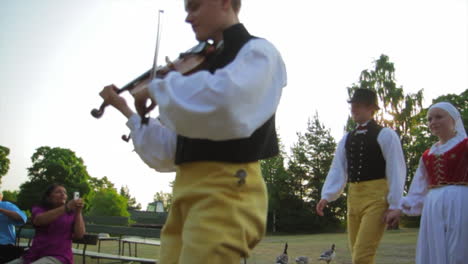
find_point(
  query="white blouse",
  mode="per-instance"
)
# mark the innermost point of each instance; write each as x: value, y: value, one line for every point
x: 413, y: 202
x: 231, y: 103
x: 395, y: 169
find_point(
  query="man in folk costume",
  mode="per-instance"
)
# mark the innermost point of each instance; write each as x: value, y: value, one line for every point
x: 371, y: 160
x: 214, y: 127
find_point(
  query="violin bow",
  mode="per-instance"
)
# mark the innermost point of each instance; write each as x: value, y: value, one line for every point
x: 156, y: 51
x: 97, y: 113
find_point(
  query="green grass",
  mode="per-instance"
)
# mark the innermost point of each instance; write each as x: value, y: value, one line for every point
x: 397, y: 246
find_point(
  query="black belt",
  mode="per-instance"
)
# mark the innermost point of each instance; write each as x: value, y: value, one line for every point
x: 363, y: 178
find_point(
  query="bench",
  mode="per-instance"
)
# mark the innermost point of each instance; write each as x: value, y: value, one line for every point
x: 128, y: 235
x: 92, y: 239
x: 28, y: 233
x: 107, y: 220
x: 101, y: 255
x: 148, y: 218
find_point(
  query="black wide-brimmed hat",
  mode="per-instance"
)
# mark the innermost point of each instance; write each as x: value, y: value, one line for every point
x: 365, y: 96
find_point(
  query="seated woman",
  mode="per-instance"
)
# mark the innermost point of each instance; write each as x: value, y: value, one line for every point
x: 57, y: 222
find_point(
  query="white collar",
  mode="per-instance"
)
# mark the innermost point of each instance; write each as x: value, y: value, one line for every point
x: 438, y: 149
x: 364, y: 124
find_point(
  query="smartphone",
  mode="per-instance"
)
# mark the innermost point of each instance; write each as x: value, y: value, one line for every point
x: 76, y: 195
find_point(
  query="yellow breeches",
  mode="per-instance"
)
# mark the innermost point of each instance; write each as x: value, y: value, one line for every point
x: 217, y: 215
x: 367, y: 203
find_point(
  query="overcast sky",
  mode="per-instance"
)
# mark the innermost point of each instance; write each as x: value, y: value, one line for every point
x: 56, y: 55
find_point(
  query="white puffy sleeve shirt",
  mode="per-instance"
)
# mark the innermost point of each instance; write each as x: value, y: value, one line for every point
x: 230, y: 103
x: 395, y: 169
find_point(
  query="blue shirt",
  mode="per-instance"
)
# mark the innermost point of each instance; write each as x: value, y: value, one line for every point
x: 7, y: 225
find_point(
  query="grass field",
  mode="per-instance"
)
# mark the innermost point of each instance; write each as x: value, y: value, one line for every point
x: 397, y: 246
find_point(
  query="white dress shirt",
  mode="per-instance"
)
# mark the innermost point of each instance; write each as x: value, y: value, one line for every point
x: 231, y: 103
x: 395, y: 168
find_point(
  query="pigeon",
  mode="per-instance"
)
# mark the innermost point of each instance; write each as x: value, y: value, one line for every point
x: 283, y: 258
x: 328, y: 255
x: 302, y: 260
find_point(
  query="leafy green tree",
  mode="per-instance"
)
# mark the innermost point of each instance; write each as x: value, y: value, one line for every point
x: 104, y: 200
x: 298, y: 167
x: 396, y: 107
x: 131, y: 201
x: 165, y: 198
x: 398, y: 111
x: 100, y: 184
x: 321, y: 151
x: 460, y: 101
x: 308, y: 167
x: 276, y: 179
x: 4, y: 161
x: 107, y: 202
x: 10, y: 196
x: 53, y: 165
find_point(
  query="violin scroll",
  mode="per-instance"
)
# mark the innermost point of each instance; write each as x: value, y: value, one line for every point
x: 97, y: 113
x: 188, y: 62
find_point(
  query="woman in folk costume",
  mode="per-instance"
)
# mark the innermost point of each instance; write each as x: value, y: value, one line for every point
x: 440, y: 191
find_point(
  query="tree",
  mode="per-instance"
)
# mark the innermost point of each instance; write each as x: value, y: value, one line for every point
x: 276, y: 179
x: 53, y: 165
x: 308, y: 167
x: 107, y: 202
x: 396, y: 107
x: 294, y: 191
x: 321, y: 151
x: 104, y: 200
x: 4, y: 161
x: 10, y: 196
x: 100, y: 184
x: 398, y: 111
x: 459, y: 101
x: 165, y: 198
x: 131, y: 201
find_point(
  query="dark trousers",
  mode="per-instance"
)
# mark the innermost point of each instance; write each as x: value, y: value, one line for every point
x: 10, y: 252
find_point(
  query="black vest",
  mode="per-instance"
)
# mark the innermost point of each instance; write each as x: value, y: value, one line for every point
x: 262, y: 144
x: 364, y: 156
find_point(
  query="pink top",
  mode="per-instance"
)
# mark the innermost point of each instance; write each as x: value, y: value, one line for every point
x: 54, y: 239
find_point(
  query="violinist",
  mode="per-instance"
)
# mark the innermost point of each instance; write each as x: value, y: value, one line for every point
x: 214, y: 127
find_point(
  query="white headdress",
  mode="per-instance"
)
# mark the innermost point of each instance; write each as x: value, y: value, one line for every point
x: 453, y: 112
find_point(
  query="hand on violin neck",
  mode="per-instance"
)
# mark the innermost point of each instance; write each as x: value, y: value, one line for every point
x: 110, y: 96
x: 141, y: 102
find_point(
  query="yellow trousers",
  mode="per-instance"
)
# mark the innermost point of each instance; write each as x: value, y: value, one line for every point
x: 218, y: 213
x: 367, y: 203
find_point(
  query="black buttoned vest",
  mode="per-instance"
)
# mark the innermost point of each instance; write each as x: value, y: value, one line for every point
x: 262, y: 144
x: 363, y: 154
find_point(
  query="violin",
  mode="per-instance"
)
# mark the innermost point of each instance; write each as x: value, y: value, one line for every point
x: 188, y: 62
